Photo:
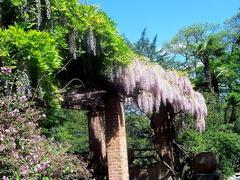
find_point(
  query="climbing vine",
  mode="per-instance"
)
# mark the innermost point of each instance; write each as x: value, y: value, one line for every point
x: 32, y: 52
x: 46, y: 35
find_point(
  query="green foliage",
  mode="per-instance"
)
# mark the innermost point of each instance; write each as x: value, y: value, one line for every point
x: 139, y: 136
x: 145, y: 47
x: 29, y: 47
x: 209, y: 48
x: 24, y: 152
x: 224, y: 143
x: 65, y: 17
x: 68, y: 24
x: 237, y: 123
x: 195, y: 46
x: 219, y: 137
x: 216, y: 108
x: 139, y: 131
x: 114, y: 47
x: 232, y: 26
x: 70, y: 126
x: 211, y: 56
x: 35, y: 52
x: 193, y: 141
x: 201, y: 50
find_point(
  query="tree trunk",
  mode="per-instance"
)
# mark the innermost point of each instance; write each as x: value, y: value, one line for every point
x: 233, y: 114
x: 97, y: 143
x: 163, y: 140
x: 207, y: 72
x: 215, y: 84
x: 225, y: 115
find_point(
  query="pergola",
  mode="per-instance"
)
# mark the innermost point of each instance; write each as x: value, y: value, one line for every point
x: 157, y: 92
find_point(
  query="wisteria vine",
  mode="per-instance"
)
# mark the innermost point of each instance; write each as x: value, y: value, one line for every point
x: 150, y: 86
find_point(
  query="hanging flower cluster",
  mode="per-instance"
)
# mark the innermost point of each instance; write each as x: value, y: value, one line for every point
x: 150, y: 86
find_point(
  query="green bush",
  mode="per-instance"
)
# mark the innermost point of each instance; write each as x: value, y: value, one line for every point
x: 139, y: 136
x: 225, y: 144
x: 70, y: 126
x: 219, y: 137
x: 24, y: 152
x: 69, y: 22
x: 36, y: 53
x: 138, y: 129
x: 80, y: 18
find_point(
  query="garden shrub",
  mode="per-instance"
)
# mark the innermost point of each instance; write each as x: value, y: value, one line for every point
x: 69, y: 126
x: 220, y: 137
x: 225, y: 144
x: 139, y: 136
x: 24, y: 153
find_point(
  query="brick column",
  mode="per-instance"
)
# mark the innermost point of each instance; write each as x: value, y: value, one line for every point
x: 116, y: 139
x: 97, y: 144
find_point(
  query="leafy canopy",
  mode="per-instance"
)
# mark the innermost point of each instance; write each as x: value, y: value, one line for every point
x: 32, y: 50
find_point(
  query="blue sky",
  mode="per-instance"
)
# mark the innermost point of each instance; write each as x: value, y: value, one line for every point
x: 164, y: 17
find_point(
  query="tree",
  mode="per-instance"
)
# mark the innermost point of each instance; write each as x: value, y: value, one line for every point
x: 147, y: 48
x: 232, y: 26
x: 207, y: 50
x: 229, y: 70
x: 196, y: 44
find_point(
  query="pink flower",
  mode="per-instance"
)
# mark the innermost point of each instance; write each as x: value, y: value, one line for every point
x: 24, y: 170
x: 19, y: 118
x: 42, y: 167
x: 23, y: 99
x: 6, y: 70
x: 5, y: 178
x: 7, y: 130
x: 14, y: 112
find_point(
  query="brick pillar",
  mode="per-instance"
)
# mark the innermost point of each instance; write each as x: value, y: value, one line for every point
x: 97, y: 144
x: 116, y: 139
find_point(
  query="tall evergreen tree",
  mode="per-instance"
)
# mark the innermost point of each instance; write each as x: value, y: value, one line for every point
x: 147, y: 48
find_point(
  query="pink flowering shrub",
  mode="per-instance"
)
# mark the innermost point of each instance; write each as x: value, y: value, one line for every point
x: 5, y: 70
x: 24, y: 153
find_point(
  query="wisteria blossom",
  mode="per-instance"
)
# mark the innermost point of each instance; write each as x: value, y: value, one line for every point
x: 150, y: 85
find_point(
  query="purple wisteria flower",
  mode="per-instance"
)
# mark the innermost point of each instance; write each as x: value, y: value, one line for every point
x: 23, y: 98
x: 155, y: 86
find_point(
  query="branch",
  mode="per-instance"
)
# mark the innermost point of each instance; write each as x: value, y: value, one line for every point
x: 63, y: 67
x: 74, y: 79
x: 170, y: 169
